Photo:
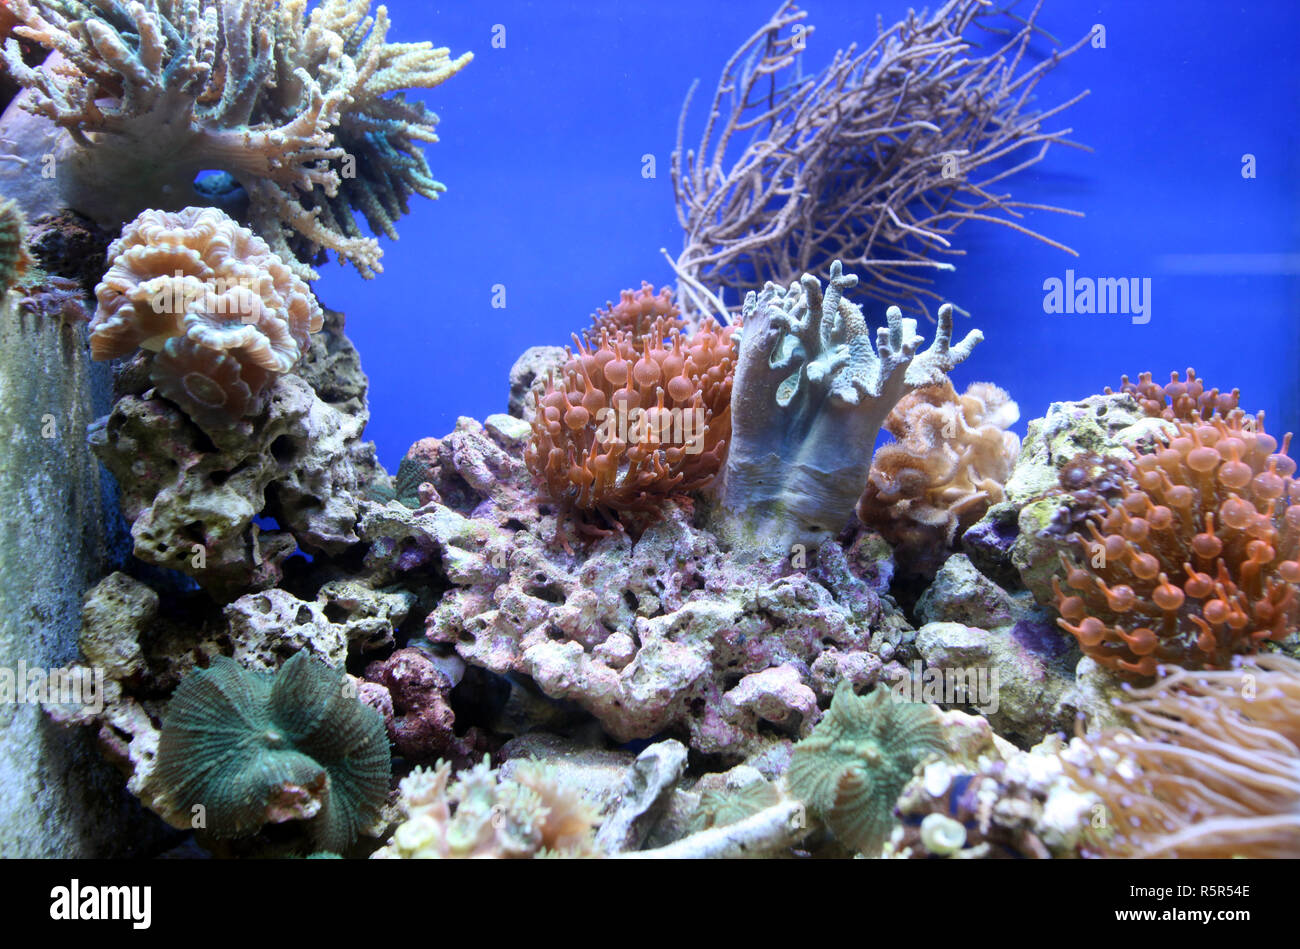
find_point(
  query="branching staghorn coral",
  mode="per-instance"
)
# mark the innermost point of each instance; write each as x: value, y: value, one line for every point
x: 250, y: 748
x: 854, y: 765
x: 808, y: 401
x: 223, y: 314
x: 481, y: 814
x: 875, y: 161
x: 1200, y: 558
x: 291, y: 105
x: 1211, y: 770
x: 952, y: 456
x: 633, y: 419
x: 381, y: 164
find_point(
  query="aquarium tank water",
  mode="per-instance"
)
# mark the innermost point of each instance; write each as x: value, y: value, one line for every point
x: 669, y: 430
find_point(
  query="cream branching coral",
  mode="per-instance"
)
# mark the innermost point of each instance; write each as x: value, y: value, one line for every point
x: 482, y: 814
x: 1212, y: 768
x: 952, y: 456
x: 381, y: 165
x: 294, y: 107
x: 221, y: 311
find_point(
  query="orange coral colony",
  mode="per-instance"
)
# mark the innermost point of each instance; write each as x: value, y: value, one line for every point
x: 636, y: 313
x: 633, y: 419
x: 1198, y: 561
x: 1178, y: 400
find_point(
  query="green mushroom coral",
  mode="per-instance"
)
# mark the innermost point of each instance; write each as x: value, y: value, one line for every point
x: 251, y: 748
x: 852, y: 768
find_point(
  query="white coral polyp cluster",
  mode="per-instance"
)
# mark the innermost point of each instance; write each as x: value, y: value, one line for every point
x: 223, y: 314
x: 482, y: 814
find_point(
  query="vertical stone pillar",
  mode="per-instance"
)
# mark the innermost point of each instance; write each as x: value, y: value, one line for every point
x: 60, y: 532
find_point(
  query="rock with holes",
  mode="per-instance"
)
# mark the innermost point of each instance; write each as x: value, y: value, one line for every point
x: 1007, y: 543
x: 268, y: 626
x: 530, y: 369
x: 667, y: 633
x: 193, y: 502
x: 418, y: 716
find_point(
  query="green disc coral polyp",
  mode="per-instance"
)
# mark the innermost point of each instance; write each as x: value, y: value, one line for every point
x: 853, y: 766
x: 241, y: 748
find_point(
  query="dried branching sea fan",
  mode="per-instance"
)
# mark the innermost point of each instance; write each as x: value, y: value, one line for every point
x: 875, y: 160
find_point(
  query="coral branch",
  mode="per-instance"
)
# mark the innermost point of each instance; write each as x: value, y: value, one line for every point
x: 809, y: 398
x: 875, y: 161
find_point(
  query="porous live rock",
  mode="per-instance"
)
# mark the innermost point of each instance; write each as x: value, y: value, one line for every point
x: 192, y: 499
x: 1008, y: 541
x: 269, y: 626
x: 418, y: 716
x: 529, y: 369
x: 1001, y: 641
x: 331, y: 365
x: 649, y: 636
x: 646, y: 636
x: 598, y: 772
x: 115, y: 613
x: 475, y: 464
x: 971, y: 626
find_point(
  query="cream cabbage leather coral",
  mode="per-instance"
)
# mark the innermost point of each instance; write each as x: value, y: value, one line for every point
x: 950, y: 461
x: 223, y: 313
x: 809, y: 397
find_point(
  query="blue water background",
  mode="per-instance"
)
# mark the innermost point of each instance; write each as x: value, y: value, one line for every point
x: 542, y: 148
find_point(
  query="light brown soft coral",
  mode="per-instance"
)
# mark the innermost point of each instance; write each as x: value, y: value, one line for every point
x: 1212, y: 768
x: 223, y: 314
x: 950, y: 460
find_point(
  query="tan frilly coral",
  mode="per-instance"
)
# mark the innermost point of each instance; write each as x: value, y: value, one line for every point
x: 482, y: 814
x: 952, y: 456
x: 223, y: 313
